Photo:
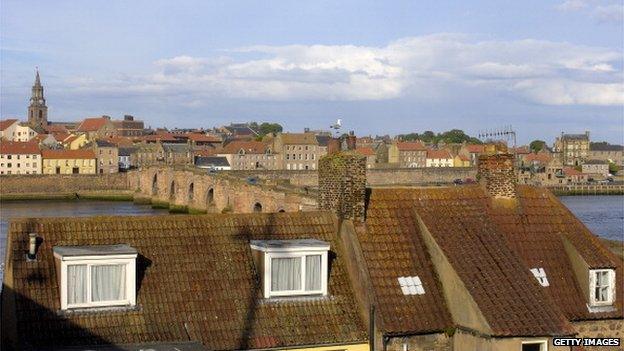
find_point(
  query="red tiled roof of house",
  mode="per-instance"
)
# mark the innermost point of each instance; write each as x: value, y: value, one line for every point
x: 474, y: 148
x: 365, y: 151
x: 92, y: 124
x: 521, y: 150
x: 205, y: 152
x: 69, y: 138
x: 6, y: 123
x: 535, y: 231
x: 457, y: 218
x: 439, y: 154
x: 119, y: 140
x: 569, y: 171
x: 67, y: 154
x: 198, y: 137
x: 162, y: 137
x: 60, y: 136
x: 249, y: 147
x: 18, y: 147
x: 185, y: 291
x: 539, y: 157
x: 464, y: 158
x: 411, y: 146
x: 55, y: 128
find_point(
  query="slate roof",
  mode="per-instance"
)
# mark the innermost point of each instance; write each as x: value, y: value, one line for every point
x: 459, y: 220
x: 211, y: 161
x: 176, y: 148
x: 196, y: 278
x: 535, y: 229
x: 605, y: 147
x: 126, y: 151
x: 323, y: 140
x: 19, y: 147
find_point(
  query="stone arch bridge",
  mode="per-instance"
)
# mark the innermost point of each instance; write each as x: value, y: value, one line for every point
x: 196, y: 191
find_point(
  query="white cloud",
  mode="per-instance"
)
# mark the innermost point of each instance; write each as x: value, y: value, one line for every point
x: 603, y: 11
x: 441, y: 66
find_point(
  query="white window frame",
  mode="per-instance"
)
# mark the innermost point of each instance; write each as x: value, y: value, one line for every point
x: 592, y: 287
x: 129, y: 260
x: 543, y: 344
x: 269, y: 254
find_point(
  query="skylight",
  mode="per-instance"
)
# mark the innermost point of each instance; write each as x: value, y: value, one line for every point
x: 411, y: 285
x: 540, y: 275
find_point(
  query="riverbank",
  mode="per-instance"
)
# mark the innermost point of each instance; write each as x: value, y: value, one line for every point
x: 596, y: 189
x: 114, y: 195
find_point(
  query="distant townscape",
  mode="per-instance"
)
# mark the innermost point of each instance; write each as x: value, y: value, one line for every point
x: 98, y: 145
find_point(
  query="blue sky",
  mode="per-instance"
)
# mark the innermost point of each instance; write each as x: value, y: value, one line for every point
x: 384, y: 67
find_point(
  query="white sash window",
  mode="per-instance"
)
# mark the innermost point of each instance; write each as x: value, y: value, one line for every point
x: 89, y: 278
x: 292, y: 267
x: 601, y: 287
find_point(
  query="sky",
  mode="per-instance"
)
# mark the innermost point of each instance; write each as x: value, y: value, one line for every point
x: 383, y: 67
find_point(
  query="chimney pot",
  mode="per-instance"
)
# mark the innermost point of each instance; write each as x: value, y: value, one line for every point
x: 32, y: 246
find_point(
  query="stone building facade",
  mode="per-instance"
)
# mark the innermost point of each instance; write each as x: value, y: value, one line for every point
x: 19, y: 158
x: 572, y: 148
x: 411, y: 154
x: 107, y: 157
x: 298, y: 151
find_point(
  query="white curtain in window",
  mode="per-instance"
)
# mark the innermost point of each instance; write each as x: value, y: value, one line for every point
x: 76, y: 284
x: 313, y: 272
x: 286, y: 274
x: 602, y: 286
x: 108, y: 282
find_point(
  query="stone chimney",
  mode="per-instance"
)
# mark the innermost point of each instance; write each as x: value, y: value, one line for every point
x: 333, y: 146
x: 342, y: 185
x: 496, y: 172
x: 351, y: 141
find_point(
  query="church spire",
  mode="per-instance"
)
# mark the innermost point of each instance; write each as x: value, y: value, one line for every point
x: 37, y: 110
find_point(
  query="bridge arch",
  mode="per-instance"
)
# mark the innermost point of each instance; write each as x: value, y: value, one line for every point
x: 257, y: 207
x: 155, y: 185
x: 191, y: 192
x: 210, y: 197
x: 172, y: 190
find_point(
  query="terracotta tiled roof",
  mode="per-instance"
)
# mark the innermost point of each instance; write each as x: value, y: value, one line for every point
x: 198, y: 137
x: 6, y: 123
x: 17, y: 147
x: 569, y: 171
x: 69, y: 138
x: 504, y: 289
x: 119, y: 140
x: 299, y: 139
x: 55, y: 128
x: 196, y: 279
x: 474, y: 148
x: 365, y: 151
x: 250, y: 147
x: 539, y: 157
x: 393, y: 247
x: 535, y: 229
x: 411, y: 146
x: 464, y: 158
x: 162, y: 137
x: 441, y: 154
x: 521, y: 150
x: 92, y: 124
x: 67, y: 154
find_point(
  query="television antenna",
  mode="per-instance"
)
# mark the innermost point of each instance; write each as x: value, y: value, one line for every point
x: 506, y: 133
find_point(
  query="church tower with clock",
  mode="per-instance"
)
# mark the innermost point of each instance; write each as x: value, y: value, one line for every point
x: 37, y: 110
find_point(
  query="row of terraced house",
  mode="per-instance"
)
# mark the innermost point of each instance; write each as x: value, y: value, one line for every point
x: 494, y: 266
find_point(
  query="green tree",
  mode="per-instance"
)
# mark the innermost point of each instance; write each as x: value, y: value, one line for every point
x: 266, y: 128
x: 537, y: 145
x: 613, y: 168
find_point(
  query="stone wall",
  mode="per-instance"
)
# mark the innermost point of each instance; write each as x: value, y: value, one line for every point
x: 342, y: 185
x: 498, y: 175
x: 374, y: 176
x: 609, y: 328
x: 62, y: 183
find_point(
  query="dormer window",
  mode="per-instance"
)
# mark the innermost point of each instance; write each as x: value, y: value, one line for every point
x: 540, y: 275
x: 292, y: 267
x: 96, y: 276
x: 601, y: 287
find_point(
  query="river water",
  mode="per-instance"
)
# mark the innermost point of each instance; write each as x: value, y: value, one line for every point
x: 604, y: 215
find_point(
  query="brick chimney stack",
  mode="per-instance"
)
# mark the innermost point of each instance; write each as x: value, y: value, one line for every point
x: 496, y: 172
x: 342, y: 184
x: 351, y: 141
